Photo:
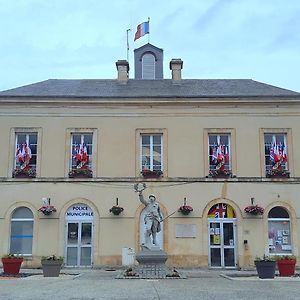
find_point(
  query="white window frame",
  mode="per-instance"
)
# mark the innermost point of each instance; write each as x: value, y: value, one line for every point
x: 82, y: 134
x: 275, y: 134
x: 228, y: 166
x: 151, y: 155
x: 22, y: 220
x: 28, y: 143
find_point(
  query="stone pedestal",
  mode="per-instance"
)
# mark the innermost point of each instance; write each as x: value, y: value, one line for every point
x: 151, y: 265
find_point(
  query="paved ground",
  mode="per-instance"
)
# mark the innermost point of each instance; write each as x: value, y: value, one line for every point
x: 101, y: 284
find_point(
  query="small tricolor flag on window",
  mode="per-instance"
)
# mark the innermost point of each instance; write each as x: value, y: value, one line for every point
x: 141, y: 30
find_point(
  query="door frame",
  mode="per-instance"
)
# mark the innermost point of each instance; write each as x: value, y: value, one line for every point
x: 221, y: 221
x: 78, y: 245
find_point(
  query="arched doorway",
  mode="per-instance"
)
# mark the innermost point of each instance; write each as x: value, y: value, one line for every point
x: 79, y: 236
x: 279, y: 231
x: 222, y: 236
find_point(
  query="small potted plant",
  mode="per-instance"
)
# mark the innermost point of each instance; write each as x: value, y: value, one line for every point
x: 51, y: 265
x: 265, y: 267
x: 116, y: 209
x: 286, y: 265
x: 12, y: 263
x: 185, y: 209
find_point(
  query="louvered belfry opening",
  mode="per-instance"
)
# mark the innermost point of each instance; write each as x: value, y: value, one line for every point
x: 148, y: 62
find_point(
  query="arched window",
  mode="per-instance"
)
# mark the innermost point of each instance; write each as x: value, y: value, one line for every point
x: 279, y: 231
x: 21, y: 232
x: 148, y: 66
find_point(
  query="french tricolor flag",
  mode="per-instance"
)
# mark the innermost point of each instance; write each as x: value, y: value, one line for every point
x: 141, y: 30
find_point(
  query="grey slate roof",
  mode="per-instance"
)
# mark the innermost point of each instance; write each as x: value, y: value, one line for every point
x: 187, y: 88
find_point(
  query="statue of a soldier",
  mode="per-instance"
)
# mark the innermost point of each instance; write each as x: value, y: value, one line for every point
x: 152, y: 219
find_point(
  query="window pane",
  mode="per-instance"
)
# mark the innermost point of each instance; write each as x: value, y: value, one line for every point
x: 82, y: 150
x: 145, y: 139
x: 151, y: 152
x: 33, y: 139
x: 156, y: 150
x: 157, y: 139
x: 146, y: 150
x: 22, y: 213
x: 85, y: 257
x: 72, y: 256
x: 278, y: 212
x: 21, y: 228
x: 279, y: 237
x: 21, y: 237
x: 219, y: 152
x: 76, y: 138
x: 21, y: 245
x: 88, y: 138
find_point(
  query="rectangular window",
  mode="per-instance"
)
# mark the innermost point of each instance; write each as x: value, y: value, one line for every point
x: 219, y: 154
x: 81, y: 152
x: 276, y: 154
x: 151, y: 157
x: 25, y: 154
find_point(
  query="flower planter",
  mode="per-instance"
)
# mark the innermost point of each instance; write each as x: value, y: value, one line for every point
x: 51, y: 268
x: 25, y: 173
x: 185, y: 212
x: 185, y: 209
x: 12, y: 265
x: 47, y: 209
x: 286, y: 267
x: 265, y: 269
x: 151, y: 174
x: 80, y: 173
x: 223, y: 174
x: 116, y: 210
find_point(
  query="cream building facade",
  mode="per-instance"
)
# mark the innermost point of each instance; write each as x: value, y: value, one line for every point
x: 218, y: 146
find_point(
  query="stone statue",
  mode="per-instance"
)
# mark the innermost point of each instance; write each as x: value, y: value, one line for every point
x: 152, y: 218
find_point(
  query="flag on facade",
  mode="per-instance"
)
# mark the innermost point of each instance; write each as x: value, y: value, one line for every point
x: 284, y: 153
x: 214, y: 157
x: 141, y: 30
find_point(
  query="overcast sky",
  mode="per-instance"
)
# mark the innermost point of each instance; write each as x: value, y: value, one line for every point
x: 216, y: 39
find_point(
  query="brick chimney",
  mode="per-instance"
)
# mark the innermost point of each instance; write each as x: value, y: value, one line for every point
x: 123, y: 70
x: 176, y: 66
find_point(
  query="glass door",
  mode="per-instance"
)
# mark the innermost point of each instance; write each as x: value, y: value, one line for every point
x: 79, y: 244
x: 222, y: 250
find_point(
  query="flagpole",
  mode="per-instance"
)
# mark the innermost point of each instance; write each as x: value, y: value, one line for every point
x: 149, y: 31
x: 127, y: 31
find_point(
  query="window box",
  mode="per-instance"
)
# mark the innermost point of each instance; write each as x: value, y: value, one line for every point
x: 81, y: 173
x: 24, y: 173
x: 277, y: 174
x: 220, y: 173
x: 152, y: 174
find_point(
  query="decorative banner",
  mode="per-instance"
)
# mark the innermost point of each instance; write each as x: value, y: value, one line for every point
x: 220, y: 211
